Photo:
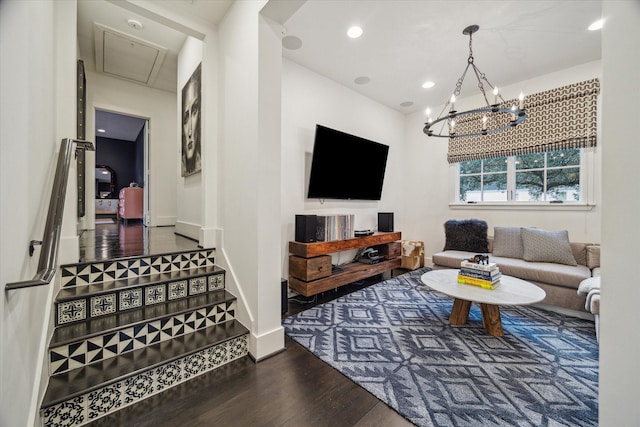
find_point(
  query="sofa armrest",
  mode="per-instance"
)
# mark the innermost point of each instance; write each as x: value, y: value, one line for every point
x: 593, y: 256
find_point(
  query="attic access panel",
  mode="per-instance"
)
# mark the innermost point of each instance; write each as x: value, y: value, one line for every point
x: 124, y: 56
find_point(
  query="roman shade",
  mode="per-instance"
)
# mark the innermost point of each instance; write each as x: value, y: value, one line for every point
x: 557, y: 119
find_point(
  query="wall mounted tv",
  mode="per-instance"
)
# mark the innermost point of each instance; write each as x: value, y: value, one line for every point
x: 345, y: 166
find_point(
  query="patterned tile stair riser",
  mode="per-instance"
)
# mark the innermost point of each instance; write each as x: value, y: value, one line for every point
x: 101, y: 288
x: 394, y: 339
x: 105, y: 400
x: 85, y: 302
x: 100, y: 271
x: 133, y: 337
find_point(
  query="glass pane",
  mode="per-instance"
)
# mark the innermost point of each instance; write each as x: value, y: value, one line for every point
x: 470, y: 189
x: 530, y: 161
x: 563, y: 158
x: 495, y: 165
x: 563, y: 184
x: 529, y: 185
x: 472, y: 166
x: 495, y: 187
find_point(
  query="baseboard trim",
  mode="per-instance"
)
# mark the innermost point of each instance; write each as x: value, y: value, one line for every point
x: 266, y: 345
x: 189, y: 230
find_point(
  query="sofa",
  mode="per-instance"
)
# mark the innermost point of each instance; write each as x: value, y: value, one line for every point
x: 590, y: 289
x: 543, y: 257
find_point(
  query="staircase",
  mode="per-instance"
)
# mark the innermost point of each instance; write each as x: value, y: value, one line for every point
x: 131, y: 328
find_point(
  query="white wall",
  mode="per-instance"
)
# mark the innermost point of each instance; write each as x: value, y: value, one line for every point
x: 620, y: 317
x: 111, y: 94
x: 189, y: 189
x: 309, y: 99
x: 429, y: 180
x: 35, y: 89
x: 249, y: 201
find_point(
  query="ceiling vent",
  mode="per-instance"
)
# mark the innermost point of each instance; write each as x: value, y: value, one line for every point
x: 127, y: 57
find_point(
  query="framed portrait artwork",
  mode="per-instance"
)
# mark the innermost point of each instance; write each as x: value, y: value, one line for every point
x: 191, y: 142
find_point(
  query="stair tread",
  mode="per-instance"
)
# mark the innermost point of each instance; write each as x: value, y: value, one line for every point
x: 127, y: 258
x: 73, y: 292
x: 78, y: 381
x: 66, y: 334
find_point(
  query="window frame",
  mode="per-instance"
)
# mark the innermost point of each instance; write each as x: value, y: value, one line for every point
x: 587, y: 176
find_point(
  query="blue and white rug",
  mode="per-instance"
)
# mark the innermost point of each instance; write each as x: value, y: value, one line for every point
x: 394, y: 339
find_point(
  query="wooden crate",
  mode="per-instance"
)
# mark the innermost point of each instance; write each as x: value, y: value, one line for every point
x: 308, y: 269
x: 389, y: 250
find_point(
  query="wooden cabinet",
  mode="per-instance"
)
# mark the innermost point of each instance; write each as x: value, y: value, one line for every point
x: 348, y: 273
x: 131, y: 204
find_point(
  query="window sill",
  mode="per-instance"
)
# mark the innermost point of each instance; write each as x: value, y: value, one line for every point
x: 523, y: 206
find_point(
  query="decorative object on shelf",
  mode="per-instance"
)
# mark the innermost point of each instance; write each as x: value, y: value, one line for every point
x: 497, y: 116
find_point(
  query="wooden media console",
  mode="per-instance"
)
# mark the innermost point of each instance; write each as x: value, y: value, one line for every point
x: 302, y: 264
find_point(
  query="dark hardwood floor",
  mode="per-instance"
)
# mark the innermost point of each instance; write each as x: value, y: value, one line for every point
x: 291, y: 388
x: 117, y: 240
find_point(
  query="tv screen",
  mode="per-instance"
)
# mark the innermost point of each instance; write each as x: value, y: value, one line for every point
x: 345, y: 166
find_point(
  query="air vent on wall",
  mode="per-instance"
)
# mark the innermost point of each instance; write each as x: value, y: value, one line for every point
x: 124, y: 56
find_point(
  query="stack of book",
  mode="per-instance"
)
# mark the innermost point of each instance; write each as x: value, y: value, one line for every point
x: 483, y: 275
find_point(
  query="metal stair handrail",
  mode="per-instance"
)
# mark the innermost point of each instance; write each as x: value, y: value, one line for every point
x: 47, y: 263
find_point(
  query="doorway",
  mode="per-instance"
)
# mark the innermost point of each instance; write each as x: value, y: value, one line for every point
x: 121, y: 159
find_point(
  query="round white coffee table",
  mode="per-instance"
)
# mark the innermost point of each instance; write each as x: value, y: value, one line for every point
x: 512, y: 291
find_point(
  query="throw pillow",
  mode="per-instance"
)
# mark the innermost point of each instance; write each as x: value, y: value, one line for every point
x: 547, y: 246
x: 466, y: 235
x: 507, y: 242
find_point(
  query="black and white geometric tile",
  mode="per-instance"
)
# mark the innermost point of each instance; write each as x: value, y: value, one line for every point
x: 71, y: 311
x: 126, y: 298
x: 110, y: 344
x: 89, y: 273
x: 102, y: 305
x: 110, y: 398
x: 130, y: 298
x: 178, y: 289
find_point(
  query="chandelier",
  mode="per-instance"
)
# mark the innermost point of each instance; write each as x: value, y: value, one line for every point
x: 493, y: 118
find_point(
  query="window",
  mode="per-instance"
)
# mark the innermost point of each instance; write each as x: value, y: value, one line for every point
x: 543, y: 177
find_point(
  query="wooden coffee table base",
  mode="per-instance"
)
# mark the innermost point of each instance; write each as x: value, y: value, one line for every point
x: 490, y: 316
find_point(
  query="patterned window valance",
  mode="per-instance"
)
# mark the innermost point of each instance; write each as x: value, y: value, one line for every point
x: 557, y: 119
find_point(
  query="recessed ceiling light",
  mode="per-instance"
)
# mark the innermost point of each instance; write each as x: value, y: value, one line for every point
x: 354, y: 32
x: 406, y: 104
x: 597, y: 25
x: 362, y: 80
x: 101, y: 130
x: 291, y: 42
x: 428, y: 84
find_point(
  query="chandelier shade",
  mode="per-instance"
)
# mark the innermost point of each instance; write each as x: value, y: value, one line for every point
x: 496, y: 116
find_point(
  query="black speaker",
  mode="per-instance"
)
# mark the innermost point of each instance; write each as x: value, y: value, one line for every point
x: 385, y: 221
x: 306, y: 228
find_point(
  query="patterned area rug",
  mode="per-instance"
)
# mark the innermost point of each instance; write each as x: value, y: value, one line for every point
x: 394, y: 339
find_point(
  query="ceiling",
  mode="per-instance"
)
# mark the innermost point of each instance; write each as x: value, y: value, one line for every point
x: 405, y: 42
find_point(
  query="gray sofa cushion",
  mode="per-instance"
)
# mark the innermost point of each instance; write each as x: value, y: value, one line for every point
x: 542, y: 272
x: 547, y: 246
x: 507, y: 242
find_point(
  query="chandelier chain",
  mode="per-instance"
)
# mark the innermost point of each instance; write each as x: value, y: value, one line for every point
x: 516, y: 114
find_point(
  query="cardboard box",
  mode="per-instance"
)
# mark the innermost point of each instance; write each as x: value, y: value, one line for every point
x: 412, y: 254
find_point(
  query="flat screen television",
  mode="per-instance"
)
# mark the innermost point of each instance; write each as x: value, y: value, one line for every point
x: 346, y: 167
